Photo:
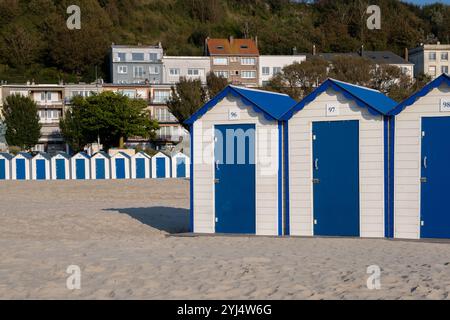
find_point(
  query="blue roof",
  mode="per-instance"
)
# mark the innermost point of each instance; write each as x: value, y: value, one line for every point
x: 62, y: 154
x: 25, y: 155
x: 442, y: 79
x: 102, y: 153
x: 273, y: 105
x: 373, y: 100
x: 84, y: 154
x: 6, y: 155
x: 44, y: 155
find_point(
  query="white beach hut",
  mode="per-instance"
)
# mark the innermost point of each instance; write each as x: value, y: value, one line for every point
x: 80, y: 169
x: 5, y: 166
x: 236, y: 163
x: 60, y: 165
x: 120, y: 166
x: 21, y: 166
x: 160, y: 165
x: 40, y: 166
x: 101, y: 166
x: 141, y: 166
x: 421, y: 170
x: 180, y: 165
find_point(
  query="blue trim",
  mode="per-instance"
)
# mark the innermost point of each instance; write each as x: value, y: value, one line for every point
x: 280, y: 178
x: 191, y: 180
x: 391, y: 175
x: 225, y: 92
x: 386, y: 176
x: 444, y: 78
x: 287, y: 230
x: 339, y: 87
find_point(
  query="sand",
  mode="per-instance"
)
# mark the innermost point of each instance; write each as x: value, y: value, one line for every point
x: 117, y: 232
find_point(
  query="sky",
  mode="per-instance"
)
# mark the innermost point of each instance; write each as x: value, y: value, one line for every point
x: 420, y: 2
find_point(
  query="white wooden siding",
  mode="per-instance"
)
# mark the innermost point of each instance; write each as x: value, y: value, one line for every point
x: 407, y: 163
x: 371, y: 149
x: 266, y: 169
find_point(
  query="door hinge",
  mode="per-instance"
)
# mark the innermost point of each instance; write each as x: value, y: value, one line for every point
x: 217, y: 220
x: 316, y: 181
x: 423, y: 180
x: 315, y: 221
x: 422, y: 223
x: 216, y: 181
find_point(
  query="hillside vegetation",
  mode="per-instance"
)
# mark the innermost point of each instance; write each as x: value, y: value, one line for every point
x: 36, y: 44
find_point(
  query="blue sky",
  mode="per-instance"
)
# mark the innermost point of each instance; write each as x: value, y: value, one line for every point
x: 426, y: 1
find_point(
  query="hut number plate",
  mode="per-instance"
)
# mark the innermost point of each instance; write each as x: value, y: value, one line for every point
x: 234, y: 114
x: 332, y: 110
x: 445, y: 105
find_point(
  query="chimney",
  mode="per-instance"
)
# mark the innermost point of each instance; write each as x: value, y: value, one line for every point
x: 231, y: 40
x: 361, y: 53
x: 294, y: 51
x: 256, y: 42
x: 406, y: 54
x: 314, y: 50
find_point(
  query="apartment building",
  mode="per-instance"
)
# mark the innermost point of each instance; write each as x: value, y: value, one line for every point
x: 192, y: 67
x: 50, y: 101
x: 430, y: 59
x: 235, y: 59
x: 136, y: 64
x: 270, y: 66
x: 85, y: 90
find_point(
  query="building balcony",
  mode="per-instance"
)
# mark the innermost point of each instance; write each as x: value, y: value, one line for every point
x: 48, y: 103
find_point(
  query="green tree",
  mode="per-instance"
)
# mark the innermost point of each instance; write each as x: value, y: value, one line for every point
x: 72, y: 126
x: 22, y: 121
x: 187, y: 97
x: 215, y: 84
x: 356, y: 70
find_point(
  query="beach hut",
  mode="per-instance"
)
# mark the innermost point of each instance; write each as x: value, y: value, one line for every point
x: 21, y: 166
x: 80, y: 166
x: 337, y: 162
x: 5, y: 166
x: 160, y: 165
x: 120, y: 166
x: 40, y: 166
x: 421, y: 170
x: 60, y: 164
x: 140, y: 166
x: 101, y: 166
x: 180, y: 165
x: 236, y: 163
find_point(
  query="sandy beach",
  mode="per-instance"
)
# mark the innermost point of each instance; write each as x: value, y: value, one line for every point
x: 119, y: 234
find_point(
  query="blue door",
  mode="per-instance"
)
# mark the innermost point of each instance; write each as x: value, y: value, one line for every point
x: 100, y: 169
x: 336, y: 178
x: 60, y: 169
x: 435, y: 202
x: 181, y: 168
x: 160, y: 167
x: 80, y: 165
x: 40, y: 170
x: 140, y: 168
x: 120, y: 168
x: 2, y: 169
x: 235, y: 179
x: 20, y: 169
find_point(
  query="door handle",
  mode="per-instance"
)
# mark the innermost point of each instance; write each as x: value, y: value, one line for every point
x: 425, y: 162
x: 216, y: 181
x: 316, y: 164
x: 217, y: 164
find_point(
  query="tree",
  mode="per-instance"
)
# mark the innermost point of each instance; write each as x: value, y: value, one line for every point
x: 356, y: 70
x: 109, y: 116
x: 22, y: 122
x: 215, y: 84
x: 187, y: 97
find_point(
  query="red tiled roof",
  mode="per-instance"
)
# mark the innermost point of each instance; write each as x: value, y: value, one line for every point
x: 241, y: 47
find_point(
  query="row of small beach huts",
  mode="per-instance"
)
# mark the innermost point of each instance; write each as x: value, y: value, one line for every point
x: 101, y: 165
x: 349, y: 161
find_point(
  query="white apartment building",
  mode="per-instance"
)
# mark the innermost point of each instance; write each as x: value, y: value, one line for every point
x: 270, y: 66
x: 431, y: 59
x: 193, y: 67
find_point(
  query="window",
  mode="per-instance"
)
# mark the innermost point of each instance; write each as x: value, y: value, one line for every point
x: 223, y: 74
x: 174, y: 72
x: 153, y: 56
x: 161, y: 96
x: 137, y: 56
x: 444, y: 69
x: 122, y: 56
x: 432, y: 56
x: 193, y: 72
x: 154, y: 69
x: 220, y: 61
x: 248, y: 74
x: 164, y: 115
x: 248, y: 61
x: 432, y: 71
x: 266, y: 71
x: 276, y: 70
x: 129, y: 93
x: 122, y: 69
x: 234, y: 59
x: 42, y: 96
x: 405, y: 70
x: 138, y: 72
x: 444, y: 56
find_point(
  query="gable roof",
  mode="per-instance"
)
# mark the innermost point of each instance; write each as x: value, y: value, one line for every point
x: 44, y: 155
x: 273, y: 105
x: 6, y: 155
x: 373, y: 100
x: 62, y: 154
x: 378, y: 57
x: 442, y: 79
x: 24, y: 154
x: 161, y: 154
x: 84, y: 154
x: 225, y: 47
x: 102, y: 153
x: 120, y: 153
x: 142, y: 153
